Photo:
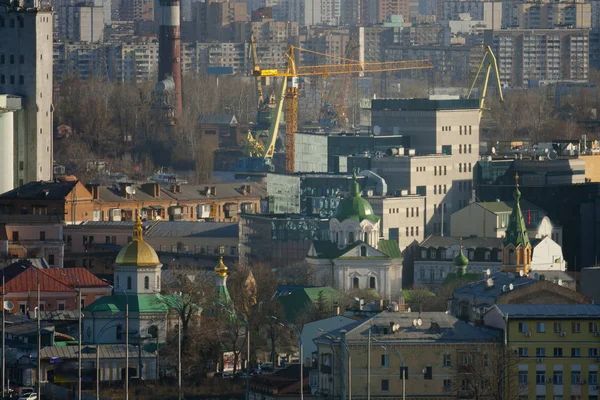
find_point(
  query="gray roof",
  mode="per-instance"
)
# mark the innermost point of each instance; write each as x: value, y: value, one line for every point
x: 479, y: 290
x: 450, y: 329
x: 106, y: 351
x: 193, y: 229
x: 40, y: 190
x: 475, y: 242
x: 553, y: 311
x: 217, y: 119
x: 551, y: 275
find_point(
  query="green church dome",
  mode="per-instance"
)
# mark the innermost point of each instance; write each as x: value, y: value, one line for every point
x: 354, y: 206
x: 461, y: 260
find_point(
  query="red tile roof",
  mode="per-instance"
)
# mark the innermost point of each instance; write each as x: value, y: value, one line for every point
x: 53, y: 280
x: 72, y: 275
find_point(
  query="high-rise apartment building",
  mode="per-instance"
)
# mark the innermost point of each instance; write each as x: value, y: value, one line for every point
x: 214, y: 19
x: 82, y: 22
x: 26, y: 71
x: 526, y: 55
x: 546, y: 15
x: 387, y: 8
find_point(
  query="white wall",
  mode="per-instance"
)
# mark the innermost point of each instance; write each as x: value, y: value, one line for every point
x: 547, y: 255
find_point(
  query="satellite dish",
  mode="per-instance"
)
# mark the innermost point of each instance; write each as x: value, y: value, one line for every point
x: 415, y: 323
x: 553, y: 155
x: 488, y: 272
x: 132, y: 191
x: 504, y: 288
x: 511, y: 286
x: 409, y: 310
x: 376, y: 130
x: 521, y: 273
x: 8, y: 305
x: 560, y: 282
x: 493, y: 150
x: 129, y: 190
x: 490, y: 282
x: 419, y: 322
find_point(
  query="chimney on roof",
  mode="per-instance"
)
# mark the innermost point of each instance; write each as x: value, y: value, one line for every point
x: 178, y: 188
x: 93, y: 189
x: 213, y: 190
x: 249, y: 188
x: 151, y: 189
x: 207, y: 191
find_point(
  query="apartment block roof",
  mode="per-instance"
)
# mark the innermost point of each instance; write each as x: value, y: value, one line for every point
x: 51, y: 279
x: 475, y: 242
x: 41, y: 190
x: 550, y: 311
x: 435, y: 327
x: 193, y: 229
x: 89, y: 352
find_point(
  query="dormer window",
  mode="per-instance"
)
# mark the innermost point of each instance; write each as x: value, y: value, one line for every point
x: 432, y: 254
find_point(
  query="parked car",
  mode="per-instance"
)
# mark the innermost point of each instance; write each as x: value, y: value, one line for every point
x: 223, y: 375
x: 30, y: 396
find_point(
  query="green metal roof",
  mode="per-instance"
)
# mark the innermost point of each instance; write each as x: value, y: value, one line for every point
x: 148, y: 303
x: 300, y: 301
x: 516, y: 231
x: 390, y: 248
x: 354, y: 206
x: 329, y: 250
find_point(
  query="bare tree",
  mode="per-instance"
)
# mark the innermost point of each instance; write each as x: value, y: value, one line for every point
x: 487, y: 371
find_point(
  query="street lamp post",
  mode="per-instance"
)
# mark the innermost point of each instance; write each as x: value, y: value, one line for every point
x: 39, y: 333
x: 347, y: 349
x: 79, y: 317
x: 3, y: 338
x: 126, y: 341
x: 300, y: 349
x: 102, y: 330
x: 179, y: 329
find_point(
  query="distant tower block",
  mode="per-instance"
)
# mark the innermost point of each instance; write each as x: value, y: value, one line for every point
x: 169, y: 47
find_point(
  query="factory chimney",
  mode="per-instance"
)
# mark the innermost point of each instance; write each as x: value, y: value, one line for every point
x: 169, y: 47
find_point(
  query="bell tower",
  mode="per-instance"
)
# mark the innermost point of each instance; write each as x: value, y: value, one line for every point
x: 516, y: 252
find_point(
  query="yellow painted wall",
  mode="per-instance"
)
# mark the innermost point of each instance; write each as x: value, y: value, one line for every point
x: 592, y: 167
x: 549, y: 340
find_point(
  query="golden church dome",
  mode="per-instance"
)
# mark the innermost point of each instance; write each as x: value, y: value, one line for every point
x: 137, y: 253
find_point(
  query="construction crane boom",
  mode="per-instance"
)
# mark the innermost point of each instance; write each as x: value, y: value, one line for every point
x: 489, y: 63
x: 255, y: 67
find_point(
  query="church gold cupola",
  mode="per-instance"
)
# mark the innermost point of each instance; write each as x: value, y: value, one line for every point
x: 516, y: 252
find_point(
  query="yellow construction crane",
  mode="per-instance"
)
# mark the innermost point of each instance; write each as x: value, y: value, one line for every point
x: 293, y: 72
x: 488, y: 62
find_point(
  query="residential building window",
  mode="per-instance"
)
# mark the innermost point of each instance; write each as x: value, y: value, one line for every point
x: 593, y: 377
x: 447, y: 360
x: 488, y: 255
x: 447, y: 385
x: 460, y: 149
x: 558, y: 352
x: 444, y: 170
x: 372, y: 283
x: 486, y: 360
x: 146, y: 282
x: 540, y: 377
x: 434, y: 170
x: 593, y: 327
x: 459, y: 167
x: 445, y: 189
x: 119, y: 332
x: 593, y: 352
x: 540, y: 352
x: 423, y: 253
x: 575, y: 377
x: 128, y: 283
x: 469, y: 149
x: 42, y: 236
x: 60, y: 304
x: 412, y: 211
x: 22, y: 307
x: 557, y: 327
x: 434, y: 189
x: 575, y: 352
x: 51, y: 259
x: 557, y: 379
x: 355, y: 283
x: 417, y: 231
x: 541, y: 327
x: 107, y: 239
x: 523, y: 327
x: 406, y: 212
x: 428, y: 373
x: 575, y: 327
x: 523, y: 378
x: 15, y: 236
x: 523, y: 351
x: 385, y: 360
x: 385, y: 385
x: 432, y: 254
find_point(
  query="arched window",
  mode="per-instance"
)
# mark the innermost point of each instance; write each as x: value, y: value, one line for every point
x: 128, y: 283
x: 363, y: 251
x: 372, y: 282
x: 350, y: 237
x: 153, y: 331
x: 366, y: 237
x: 512, y: 256
x: 146, y: 282
x: 355, y: 283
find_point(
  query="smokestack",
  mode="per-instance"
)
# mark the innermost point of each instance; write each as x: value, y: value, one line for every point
x: 169, y: 46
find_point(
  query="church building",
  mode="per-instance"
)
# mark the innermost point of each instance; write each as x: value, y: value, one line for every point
x: 355, y: 257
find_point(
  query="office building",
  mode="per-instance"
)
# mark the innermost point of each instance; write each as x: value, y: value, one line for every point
x: 26, y: 71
